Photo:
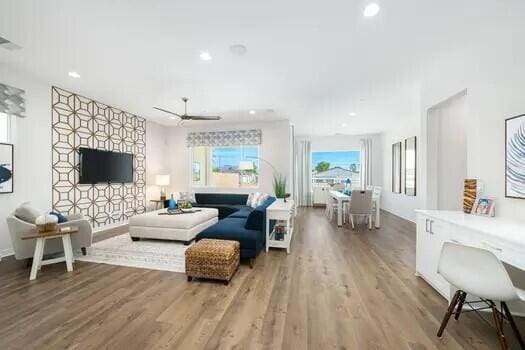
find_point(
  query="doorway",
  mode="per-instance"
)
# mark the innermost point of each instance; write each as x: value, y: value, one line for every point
x: 447, y: 150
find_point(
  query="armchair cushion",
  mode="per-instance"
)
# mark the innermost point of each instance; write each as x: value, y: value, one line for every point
x: 27, y: 213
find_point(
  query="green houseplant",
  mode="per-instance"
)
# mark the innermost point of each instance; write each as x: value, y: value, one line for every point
x: 279, y: 185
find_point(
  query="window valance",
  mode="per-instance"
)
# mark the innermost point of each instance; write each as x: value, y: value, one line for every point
x: 224, y: 138
x: 12, y: 101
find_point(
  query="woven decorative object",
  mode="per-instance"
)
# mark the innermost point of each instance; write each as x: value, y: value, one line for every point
x: 469, y: 195
x: 213, y: 258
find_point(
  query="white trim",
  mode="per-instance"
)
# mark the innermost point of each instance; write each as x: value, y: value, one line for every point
x: 6, y: 252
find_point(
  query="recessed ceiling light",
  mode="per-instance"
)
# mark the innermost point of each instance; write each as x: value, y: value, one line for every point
x: 252, y: 112
x: 371, y: 10
x: 74, y: 75
x: 238, y: 50
x: 205, y: 56
x: 344, y: 125
x: 352, y: 114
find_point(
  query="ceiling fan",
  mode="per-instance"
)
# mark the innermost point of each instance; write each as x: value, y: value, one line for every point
x: 185, y: 116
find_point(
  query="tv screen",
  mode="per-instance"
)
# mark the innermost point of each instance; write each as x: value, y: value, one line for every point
x: 98, y: 166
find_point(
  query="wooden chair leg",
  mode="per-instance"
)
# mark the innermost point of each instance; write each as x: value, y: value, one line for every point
x: 512, y: 324
x: 450, y: 310
x: 460, y: 305
x: 498, y: 320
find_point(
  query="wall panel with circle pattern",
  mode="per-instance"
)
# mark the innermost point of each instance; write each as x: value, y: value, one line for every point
x: 82, y: 122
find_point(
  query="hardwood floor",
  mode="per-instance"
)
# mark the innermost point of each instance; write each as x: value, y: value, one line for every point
x: 337, y: 289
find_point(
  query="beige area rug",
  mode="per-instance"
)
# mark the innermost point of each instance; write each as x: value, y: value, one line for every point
x: 146, y: 254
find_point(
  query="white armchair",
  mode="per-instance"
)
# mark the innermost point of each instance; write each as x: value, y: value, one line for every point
x: 25, y: 248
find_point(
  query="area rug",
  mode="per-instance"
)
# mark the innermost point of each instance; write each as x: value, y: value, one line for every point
x: 146, y: 254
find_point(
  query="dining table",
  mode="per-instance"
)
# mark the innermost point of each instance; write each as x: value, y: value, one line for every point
x: 341, y: 198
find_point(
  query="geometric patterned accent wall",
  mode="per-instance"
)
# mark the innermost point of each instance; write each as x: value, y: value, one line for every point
x: 82, y: 122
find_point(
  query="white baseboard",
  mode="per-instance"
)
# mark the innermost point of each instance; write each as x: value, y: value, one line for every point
x: 6, y: 252
x: 399, y: 215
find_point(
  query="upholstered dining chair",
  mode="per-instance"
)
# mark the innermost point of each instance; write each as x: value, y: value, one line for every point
x: 361, y: 206
x: 479, y: 272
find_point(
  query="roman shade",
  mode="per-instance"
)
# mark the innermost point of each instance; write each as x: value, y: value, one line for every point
x: 225, y: 138
x: 12, y: 101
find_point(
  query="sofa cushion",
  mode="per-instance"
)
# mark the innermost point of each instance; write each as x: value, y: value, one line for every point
x: 27, y: 213
x: 242, y: 213
x: 221, y: 198
x: 224, y: 209
x: 233, y: 229
x: 256, y: 219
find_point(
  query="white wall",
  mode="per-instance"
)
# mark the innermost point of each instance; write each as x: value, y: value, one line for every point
x: 32, y: 163
x: 399, y: 203
x: 275, y: 148
x: 493, y: 73
x: 350, y: 143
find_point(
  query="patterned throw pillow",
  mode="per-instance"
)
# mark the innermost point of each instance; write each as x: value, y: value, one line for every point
x: 262, y: 198
x: 254, y: 199
x: 187, y: 197
x: 250, y: 199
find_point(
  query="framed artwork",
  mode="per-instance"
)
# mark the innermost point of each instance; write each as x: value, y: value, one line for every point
x: 396, y: 167
x: 410, y: 166
x: 469, y: 194
x: 484, y: 206
x: 6, y: 168
x: 515, y: 157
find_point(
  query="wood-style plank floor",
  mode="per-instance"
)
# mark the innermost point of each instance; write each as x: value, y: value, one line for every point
x: 338, y: 289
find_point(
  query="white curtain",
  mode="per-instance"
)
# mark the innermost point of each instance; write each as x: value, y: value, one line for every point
x: 366, y: 162
x: 303, y: 171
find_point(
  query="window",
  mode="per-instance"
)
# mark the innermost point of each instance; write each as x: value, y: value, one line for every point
x: 336, y: 167
x: 5, y: 128
x: 226, y: 167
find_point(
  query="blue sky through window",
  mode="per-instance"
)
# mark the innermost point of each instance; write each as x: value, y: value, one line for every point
x: 229, y: 157
x: 341, y: 159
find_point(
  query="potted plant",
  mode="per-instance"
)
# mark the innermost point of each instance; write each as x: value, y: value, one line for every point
x: 279, y: 185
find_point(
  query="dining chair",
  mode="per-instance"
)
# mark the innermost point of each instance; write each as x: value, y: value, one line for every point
x: 360, y: 205
x: 479, y: 272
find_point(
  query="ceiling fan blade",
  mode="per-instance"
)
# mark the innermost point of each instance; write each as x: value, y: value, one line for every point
x: 200, y: 117
x: 166, y: 111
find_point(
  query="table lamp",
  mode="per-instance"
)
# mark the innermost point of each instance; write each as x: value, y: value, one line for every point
x: 162, y: 181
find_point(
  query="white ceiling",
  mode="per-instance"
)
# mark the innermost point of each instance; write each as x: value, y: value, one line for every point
x: 311, y: 62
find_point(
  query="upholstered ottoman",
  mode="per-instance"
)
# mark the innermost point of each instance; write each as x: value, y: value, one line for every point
x: 213, y: 258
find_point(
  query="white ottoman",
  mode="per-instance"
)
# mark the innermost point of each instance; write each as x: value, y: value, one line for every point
x: 180, y: 227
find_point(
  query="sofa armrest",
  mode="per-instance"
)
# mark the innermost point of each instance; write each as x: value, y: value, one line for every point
x: 84, y: 237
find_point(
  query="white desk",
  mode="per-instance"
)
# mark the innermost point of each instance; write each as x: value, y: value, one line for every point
x: 503, y: 237
x: 341, y: 198
x: 279, y: 210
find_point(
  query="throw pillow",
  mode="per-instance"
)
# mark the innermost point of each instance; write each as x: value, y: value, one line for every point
x: 187, y: 197
x: 27, y: 213
x: 262, y: 198
x: 255, y: 200
x: 61, y: 218
x: 250, y: 199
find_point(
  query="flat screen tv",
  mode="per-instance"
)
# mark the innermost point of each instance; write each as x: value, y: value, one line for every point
x: 97, y: 166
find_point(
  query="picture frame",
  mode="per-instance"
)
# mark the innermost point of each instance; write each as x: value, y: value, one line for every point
x: 514, y: 157
x: 396, y: 167
x: 410, y: 166
x: 484, y: 206
x: 6, y: 168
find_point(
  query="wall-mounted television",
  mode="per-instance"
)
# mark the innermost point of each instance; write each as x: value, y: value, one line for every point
x: 97, y: 166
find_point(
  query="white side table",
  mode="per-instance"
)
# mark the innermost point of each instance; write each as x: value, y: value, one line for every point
x: 285, y: 211
x: 41, y: 238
